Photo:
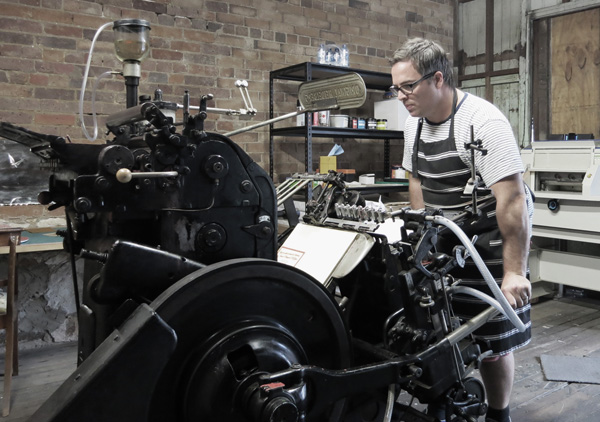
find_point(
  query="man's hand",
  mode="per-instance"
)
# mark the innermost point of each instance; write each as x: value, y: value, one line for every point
x: 513, y: 221
x: 516, y: 289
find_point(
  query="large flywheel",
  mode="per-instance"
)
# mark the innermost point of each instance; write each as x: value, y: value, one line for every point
x: 235, y: 319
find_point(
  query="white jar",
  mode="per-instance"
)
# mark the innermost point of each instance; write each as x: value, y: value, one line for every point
x: 339, y: 120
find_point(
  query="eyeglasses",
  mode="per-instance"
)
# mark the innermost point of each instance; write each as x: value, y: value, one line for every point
x: 407, y: 89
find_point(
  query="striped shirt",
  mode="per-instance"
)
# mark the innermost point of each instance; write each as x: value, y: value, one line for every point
x: 489, y: 125
x: 444, y: 170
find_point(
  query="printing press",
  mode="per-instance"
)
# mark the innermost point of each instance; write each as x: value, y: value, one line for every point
x: 565, y: 180
x: 186, y: 315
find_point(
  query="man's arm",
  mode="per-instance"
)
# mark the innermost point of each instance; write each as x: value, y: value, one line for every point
x: 415, y: 194
x: 513, y: 221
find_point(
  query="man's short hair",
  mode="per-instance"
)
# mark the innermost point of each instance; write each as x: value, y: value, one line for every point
x: 426, y: 56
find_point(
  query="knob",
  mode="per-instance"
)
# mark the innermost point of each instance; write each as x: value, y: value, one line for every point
x: 124, y: 175
x: 216, y: 167
x: 280, y: 409
x: 553, y: 205
x: 83, y: 204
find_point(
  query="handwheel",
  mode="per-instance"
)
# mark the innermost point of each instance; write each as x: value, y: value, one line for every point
x: 238, y: 318
x: 470, y: 399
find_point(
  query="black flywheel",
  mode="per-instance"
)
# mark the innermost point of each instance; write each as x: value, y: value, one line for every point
x: 238, y: 318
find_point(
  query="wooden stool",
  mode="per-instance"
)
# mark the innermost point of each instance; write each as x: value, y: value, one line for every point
x: 8, y: 321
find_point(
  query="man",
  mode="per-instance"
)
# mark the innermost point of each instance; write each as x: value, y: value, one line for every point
x: 440, y: 123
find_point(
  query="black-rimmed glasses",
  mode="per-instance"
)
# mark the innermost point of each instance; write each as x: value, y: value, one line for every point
x: 407, y: 89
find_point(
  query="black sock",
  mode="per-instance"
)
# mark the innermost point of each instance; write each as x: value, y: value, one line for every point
x: 502, y: 415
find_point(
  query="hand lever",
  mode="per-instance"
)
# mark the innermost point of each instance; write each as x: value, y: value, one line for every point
x: 125, y: 175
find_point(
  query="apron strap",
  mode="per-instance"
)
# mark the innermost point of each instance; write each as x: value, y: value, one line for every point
x: 415, y: 154
x: 454, y: 102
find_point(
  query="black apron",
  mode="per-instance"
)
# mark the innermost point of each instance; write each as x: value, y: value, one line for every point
x: 443, y: 176
x: 442, y: 172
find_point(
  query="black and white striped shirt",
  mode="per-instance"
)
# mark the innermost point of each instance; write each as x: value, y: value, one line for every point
x: 489, y: 125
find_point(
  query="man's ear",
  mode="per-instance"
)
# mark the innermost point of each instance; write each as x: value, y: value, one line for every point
x: 438, y: 79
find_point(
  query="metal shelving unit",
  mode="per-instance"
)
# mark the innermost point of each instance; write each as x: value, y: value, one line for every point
x: 310, y: 71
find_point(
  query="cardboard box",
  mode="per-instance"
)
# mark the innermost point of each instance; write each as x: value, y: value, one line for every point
x: 367, y: 179
x: 393, y: 111
x: 350, y: 174
x: 327, y: 163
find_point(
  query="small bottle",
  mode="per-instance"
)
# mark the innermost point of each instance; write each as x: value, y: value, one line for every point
x: 321, y: 54
x: 328, y: 56
x: 336, y: 56
x: 345, y: 61
x: 315, y: 118
x: 324, y: 118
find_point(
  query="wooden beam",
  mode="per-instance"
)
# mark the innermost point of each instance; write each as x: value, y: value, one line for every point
x: 489, y: 48
x: 489, y: 75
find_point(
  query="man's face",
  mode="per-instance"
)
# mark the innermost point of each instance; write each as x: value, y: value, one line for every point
x: 420, y: 102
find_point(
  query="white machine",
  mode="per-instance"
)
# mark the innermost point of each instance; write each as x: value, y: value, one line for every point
x: 566, y: 225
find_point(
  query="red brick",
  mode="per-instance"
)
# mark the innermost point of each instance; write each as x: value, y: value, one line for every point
x: 14, y: 90
x: 168, y: 32
x: 235, y: 41
x: 229, y: 18
x: 199, y: 36
x: 19, y: 25
x: 258, y: 23
x: 55, y: 119
x: 151, y: 6
x: 17, y: 11
x: 15, y: 38
x: 161, y: 54
x: 63, y: 31
x: 23, y: 51
x: 38, y: 79
x: 242, y: 10
x: 54, y: 93
x: 17, y: 117
x: 82, y: 7
x: 216, y: 6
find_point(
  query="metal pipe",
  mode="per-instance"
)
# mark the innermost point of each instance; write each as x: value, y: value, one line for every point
x: 389, y: 407
x: 471, y: 325
x: 507, y: 310
x: 479, y: 295
x: 131, y: 85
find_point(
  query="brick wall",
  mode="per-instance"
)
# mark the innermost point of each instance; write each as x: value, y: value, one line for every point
x: 202, y: 46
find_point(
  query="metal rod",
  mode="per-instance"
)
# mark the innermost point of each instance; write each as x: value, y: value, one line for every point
x: 125, y: 175
x: 151, y: 174
x: 266, y: 122
x: 290, y: 190
x: 283, y: 117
